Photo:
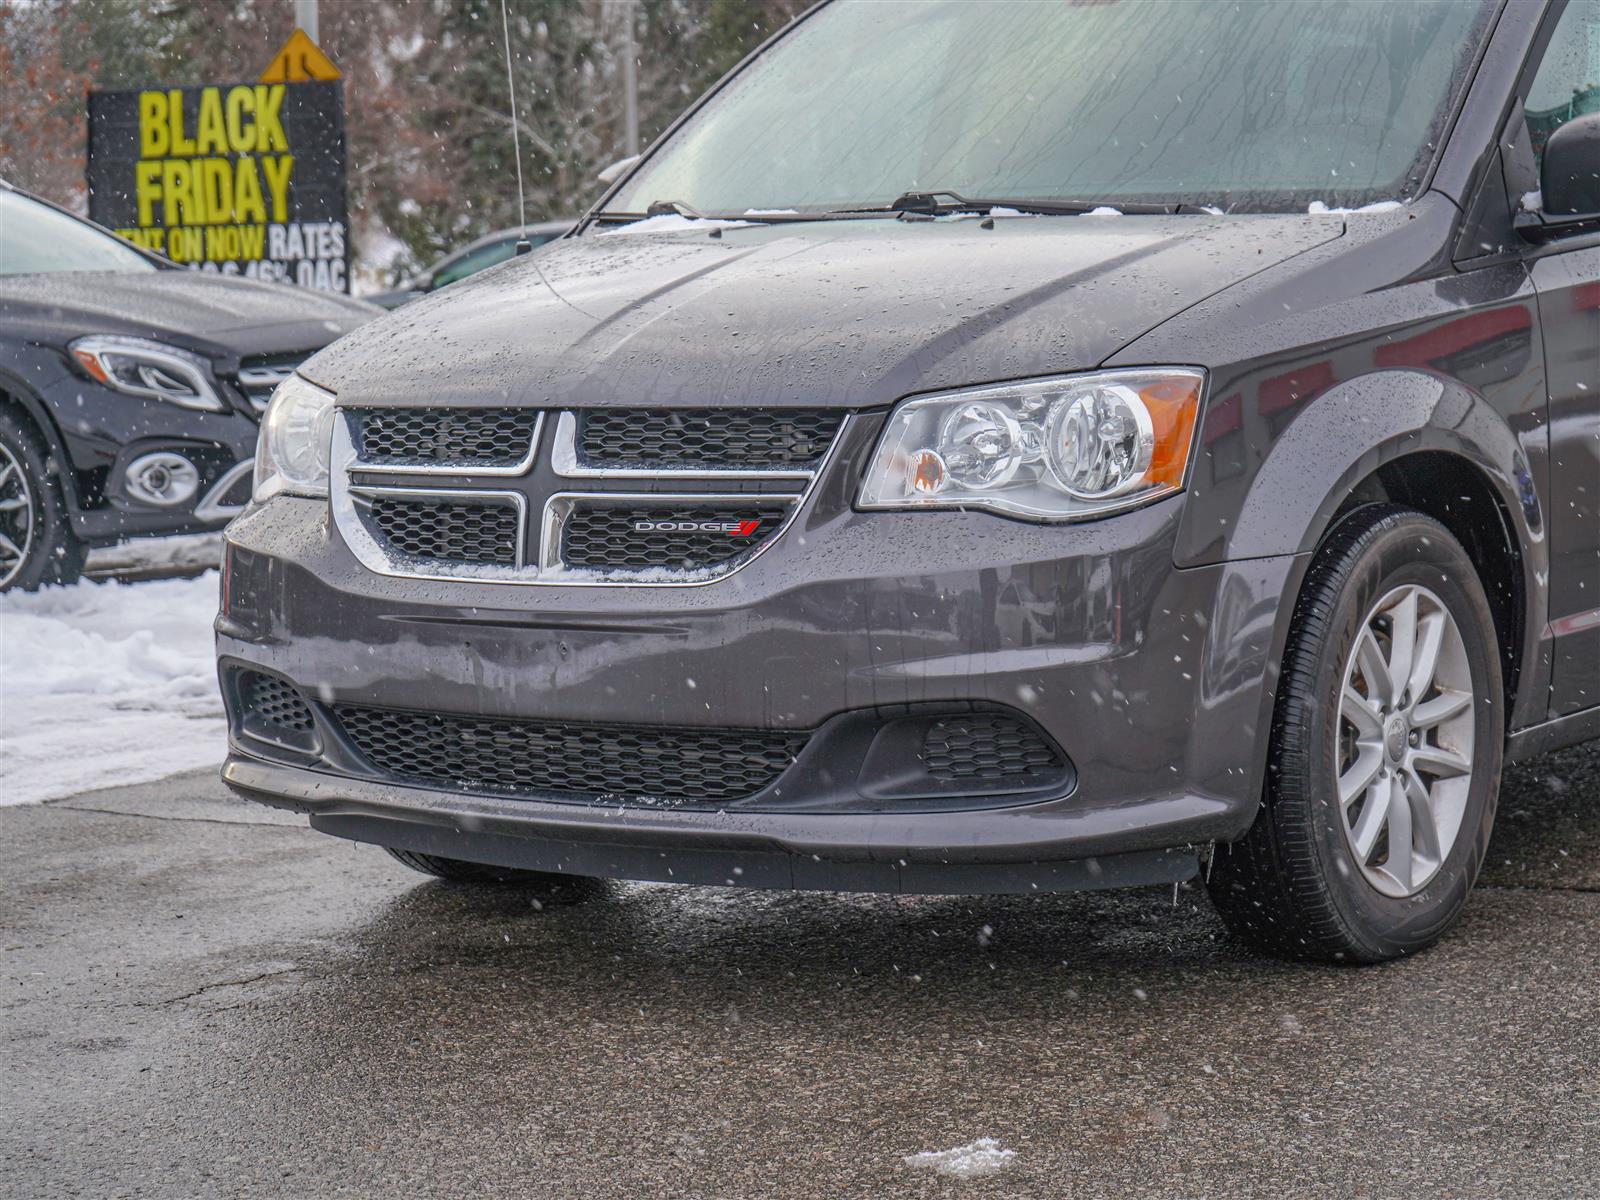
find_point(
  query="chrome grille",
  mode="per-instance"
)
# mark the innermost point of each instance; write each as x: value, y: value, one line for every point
x: 459, y: 437
x: 601, y: 763
x: 258, y: 376
x: 712, y: 439
x: 443, y: 493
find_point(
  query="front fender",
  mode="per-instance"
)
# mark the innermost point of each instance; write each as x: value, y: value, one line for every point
x: 1359, y: 426
x: 1351, y: 431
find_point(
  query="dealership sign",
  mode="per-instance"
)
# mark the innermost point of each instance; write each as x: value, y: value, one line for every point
x: 244, y: 179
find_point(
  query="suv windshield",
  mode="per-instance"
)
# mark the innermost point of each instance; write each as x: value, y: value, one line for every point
x: 1256, y: 104
x: 36, y: 239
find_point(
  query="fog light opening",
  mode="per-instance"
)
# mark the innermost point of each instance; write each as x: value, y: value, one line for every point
x: 162, y: 479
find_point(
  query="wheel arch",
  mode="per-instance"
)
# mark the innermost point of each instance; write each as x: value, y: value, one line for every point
x: 1426, y: 441
x: 18, y: 399
x: 1455, y: 492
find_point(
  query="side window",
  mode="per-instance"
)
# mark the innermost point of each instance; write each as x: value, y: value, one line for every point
x: 1567, y: 84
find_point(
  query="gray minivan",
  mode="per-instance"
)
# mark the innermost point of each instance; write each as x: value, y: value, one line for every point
x: 980, y: 448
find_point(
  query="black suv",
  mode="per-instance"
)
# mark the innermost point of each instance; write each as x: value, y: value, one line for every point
x: 130, y: 388
x: 980, y: 448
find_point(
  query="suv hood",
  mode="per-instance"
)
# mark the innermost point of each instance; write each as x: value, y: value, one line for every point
x: 832, y: 313
x: 216, y: 315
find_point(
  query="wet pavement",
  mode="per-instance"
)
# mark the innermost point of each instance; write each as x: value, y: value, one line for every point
x: 202, y: 998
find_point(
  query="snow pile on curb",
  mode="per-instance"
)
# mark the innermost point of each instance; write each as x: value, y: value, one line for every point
x: 107, y: 683
x: 972, y: 1161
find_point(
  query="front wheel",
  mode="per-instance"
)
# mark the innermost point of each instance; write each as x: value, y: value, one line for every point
x: 37, y: 545
x: 1385, y: 754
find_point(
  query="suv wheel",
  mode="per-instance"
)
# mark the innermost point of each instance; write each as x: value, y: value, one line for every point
x: 547, y: 887
x: 37, y: 545
x: 1385, y: 753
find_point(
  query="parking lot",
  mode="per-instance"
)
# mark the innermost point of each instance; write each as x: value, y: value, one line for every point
x: 205, y: 999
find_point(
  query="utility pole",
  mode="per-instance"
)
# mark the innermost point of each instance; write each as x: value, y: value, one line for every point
x: 630, y: 80
x: 305, y: 17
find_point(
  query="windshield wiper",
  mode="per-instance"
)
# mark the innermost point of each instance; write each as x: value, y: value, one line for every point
x: 942, y: 202
x: 668, y: 208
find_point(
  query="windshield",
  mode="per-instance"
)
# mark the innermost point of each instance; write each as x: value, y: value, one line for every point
x: 1257, y: 104
x: 36, y: 239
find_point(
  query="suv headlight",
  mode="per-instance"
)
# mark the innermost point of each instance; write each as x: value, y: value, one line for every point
x: 154, y: 370
x: 1060, y: 449
x: 296, y: 436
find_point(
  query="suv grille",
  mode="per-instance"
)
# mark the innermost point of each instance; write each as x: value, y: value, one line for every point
x: 470, y: 437
x: 259, y: 375
x: 602, y: 762
x: 641, y: 538
x: 713, y: 439
x: 447, y: 530
x: 609, y: 497
x: 986, y: 747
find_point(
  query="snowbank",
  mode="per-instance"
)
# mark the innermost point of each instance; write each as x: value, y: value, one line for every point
x: 107, y: 683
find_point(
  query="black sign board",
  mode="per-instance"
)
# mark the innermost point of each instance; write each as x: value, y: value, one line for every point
x: 246, y: 178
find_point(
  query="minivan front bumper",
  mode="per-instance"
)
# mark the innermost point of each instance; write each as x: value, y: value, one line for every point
x: 1153, y: 681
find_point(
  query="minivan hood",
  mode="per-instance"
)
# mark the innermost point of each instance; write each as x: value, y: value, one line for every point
x: 832, y: 313
x: 216, y: 315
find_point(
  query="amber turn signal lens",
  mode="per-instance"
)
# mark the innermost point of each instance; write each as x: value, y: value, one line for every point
x: 1172, y: 404
x: 91, y: 363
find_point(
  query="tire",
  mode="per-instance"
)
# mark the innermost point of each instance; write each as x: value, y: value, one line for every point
x: 548, y: 887
x: 37, y: 545
x: 1313, y: 880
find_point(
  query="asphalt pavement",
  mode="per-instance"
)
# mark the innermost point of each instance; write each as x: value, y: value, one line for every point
x: 202, y: 998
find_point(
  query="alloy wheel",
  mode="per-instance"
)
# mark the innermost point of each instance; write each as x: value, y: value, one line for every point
x: 16, y: 517
x: 1406, y: 736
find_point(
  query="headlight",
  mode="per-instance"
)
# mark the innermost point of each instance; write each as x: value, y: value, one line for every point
x: 150, y: 369
x: 1050, y: 449
x: 296, y: 435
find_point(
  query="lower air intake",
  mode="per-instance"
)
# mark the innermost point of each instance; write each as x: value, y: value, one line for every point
x: 600, y: 763
x: 987, y: 746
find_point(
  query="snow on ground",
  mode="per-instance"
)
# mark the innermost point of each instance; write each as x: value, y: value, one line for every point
x: 107, y: 683
x: 137, y: 555
x: 972, y: 1161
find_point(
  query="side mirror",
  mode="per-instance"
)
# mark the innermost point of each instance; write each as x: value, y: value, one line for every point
x: 614, y: 172
x: 1569, y: 181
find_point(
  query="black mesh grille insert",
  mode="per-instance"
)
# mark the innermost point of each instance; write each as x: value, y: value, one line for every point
x: 725, y: 438
x: 473, y: 436
x: 667, y: 766
x: 635, y: 538
x: 271, y: 702
x: 447, y: 530
x: 986, y: 746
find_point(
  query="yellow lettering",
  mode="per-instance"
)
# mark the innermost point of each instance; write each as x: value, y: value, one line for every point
x: 247, y: 202
x: 217, y: 188
x: 210, y: 136
x: 177, y: 191
x: 181, y: 146
x: 241, y: 102
x: 278, y: 168
x: 152, y: 124
x: 147, y: 187
x: 269, y: 126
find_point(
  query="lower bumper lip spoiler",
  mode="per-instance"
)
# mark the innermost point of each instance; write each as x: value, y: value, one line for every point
x: 827, y: 852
